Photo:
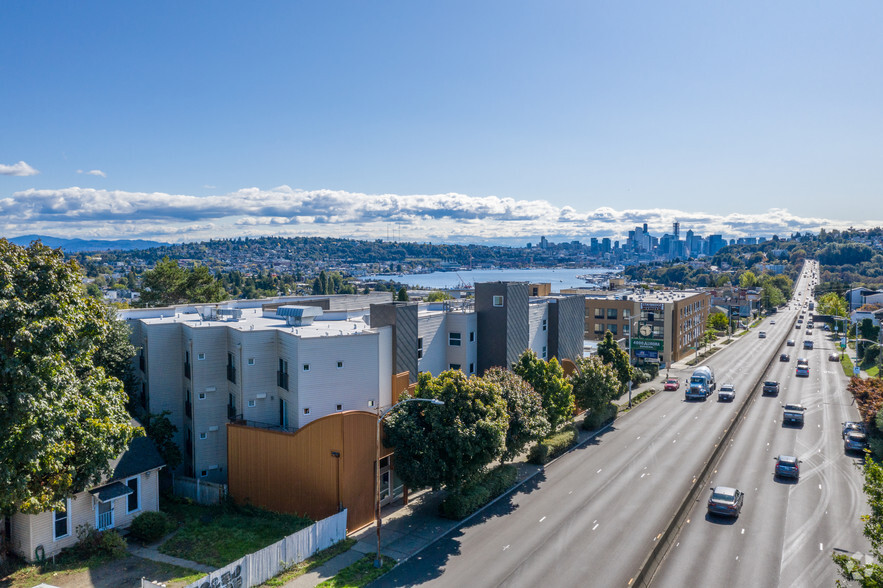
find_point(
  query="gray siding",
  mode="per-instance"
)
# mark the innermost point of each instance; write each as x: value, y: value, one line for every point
x: 566, y: 327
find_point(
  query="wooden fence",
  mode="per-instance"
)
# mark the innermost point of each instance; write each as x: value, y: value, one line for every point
x: 197, y: 490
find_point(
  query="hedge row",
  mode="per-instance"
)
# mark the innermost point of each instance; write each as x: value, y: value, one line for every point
x: 553, y: 446
x: 596, y: 420
x: 466, y: 500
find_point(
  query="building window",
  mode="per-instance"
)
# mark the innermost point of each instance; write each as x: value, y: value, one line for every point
x: 339, y: 407
x: 498, y: 301
x: 133, y: 500
x: 612, y: 328
x: 471, y: 368
x: 202, y: 395
x: 306, y: 411
x: 339, y: 364
x: 419, y: 347
x: 599, y: 328
x: 200, y: 356
x: 306, y: 367
x: 250, y: 361
x: 371, y: 403
x: 282, y: 374
x: 252, y: 403
x: 203, y: 436
x: 599, y: 313
x: 203, y: 473
x: 454, y: 339
x: 545, y: 323
x: 61, y: 519
x: 612, y: 313
x: 454, y: 366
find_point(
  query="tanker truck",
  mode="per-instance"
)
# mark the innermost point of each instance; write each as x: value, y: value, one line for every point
x: 701, y: 384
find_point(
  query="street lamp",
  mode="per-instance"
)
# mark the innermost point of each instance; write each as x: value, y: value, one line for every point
x: 378, y: 561
x: 632, y: 320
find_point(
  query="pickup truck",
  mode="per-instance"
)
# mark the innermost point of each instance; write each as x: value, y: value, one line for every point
x: 771, y: 387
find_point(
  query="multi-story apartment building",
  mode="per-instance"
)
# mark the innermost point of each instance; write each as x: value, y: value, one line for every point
x: 660, y: 326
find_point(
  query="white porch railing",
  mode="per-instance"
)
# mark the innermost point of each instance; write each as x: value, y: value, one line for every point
x: 105, y: 520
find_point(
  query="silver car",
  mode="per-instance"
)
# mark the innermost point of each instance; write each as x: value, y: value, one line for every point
x: 726, y: 393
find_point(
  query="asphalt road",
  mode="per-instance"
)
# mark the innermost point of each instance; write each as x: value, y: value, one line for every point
x: 592, y: 517
x: 788, y: 529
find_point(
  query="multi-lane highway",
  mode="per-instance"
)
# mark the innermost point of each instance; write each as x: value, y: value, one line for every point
x: 593, y: 516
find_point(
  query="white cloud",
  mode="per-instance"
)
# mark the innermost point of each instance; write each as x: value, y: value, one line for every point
x: 287, y: 211
x: 17, y: 169
x: 93, y: 172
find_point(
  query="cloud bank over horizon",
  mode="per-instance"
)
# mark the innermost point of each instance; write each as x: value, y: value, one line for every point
x: 288, y: 212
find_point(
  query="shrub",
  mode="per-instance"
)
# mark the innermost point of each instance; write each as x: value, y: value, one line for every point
x: 596, y: 420
x: 150, y: 527
x: 466, y: 500
x: 651, y: 369
x: 553, y: 446
x: 94, y: 543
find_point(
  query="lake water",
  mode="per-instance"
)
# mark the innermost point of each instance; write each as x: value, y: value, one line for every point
x: 559, y: 278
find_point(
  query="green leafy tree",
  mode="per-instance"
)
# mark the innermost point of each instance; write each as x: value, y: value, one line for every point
x: 851, y: 570
x: 403, y: 295
x: 833, y: 304
x: 162, y: 432
x: 63, y: 416
x: 723, y: 280
x: 447, y: 444
x: 547, y: 378
x: 717, y: 321
x: 524, y: 408
x: 595, y: 384
x: 611, y: 353
x: 168, y: 283
x: 747, y: 279
x: 771, y: 297
x: 437, y: 296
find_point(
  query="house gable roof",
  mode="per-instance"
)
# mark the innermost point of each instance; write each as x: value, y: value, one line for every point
x: 141, y: 456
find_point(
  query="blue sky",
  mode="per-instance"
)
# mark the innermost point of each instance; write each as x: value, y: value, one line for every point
x: 446, y: 121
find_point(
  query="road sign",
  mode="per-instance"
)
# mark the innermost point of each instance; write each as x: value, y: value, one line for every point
x: 855, y: 370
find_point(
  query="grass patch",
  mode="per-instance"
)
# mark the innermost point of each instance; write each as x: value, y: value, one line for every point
x: 636, y: 400
x: 846, y: 364
x: 216, y: 535
x: 873, y: 371
x: 311, y: 563
x: 100, y: 571
x: 360, y: 573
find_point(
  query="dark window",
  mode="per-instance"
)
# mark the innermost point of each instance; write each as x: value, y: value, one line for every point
x: 471, y: 336
x: 419, y: 347
x: 611, y: 313
x: 134, y: 500
x: 231, y: 368
x: 454, y: 366
x: 454, y: 339
x: 61, y: 521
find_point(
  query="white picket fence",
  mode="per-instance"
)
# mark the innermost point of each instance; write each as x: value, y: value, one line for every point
x: 256, y: 568
x: 197, y: 490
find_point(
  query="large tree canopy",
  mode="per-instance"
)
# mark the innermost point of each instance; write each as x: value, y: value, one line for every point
x: 611, y: 353
x: 452, y: 443
x: 547, y: 378
x: 62, y: 416
x: 168, y: 283
x: 524, y: 407
x: 595, y: 384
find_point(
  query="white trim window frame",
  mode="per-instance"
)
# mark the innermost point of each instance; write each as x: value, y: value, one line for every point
x: 66, y: 519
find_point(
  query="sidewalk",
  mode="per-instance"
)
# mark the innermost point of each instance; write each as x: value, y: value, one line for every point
x: 409, y: 529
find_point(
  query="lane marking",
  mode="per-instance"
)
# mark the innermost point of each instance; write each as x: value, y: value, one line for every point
x: 598, y: 472
x: 505, y: 547
x: 642, y: 475
x: 542, y: 519
x: 743, y: 531
x: 821, y: 547
x: 596, y: 526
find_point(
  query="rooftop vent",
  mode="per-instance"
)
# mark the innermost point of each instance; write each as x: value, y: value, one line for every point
x: 229, y: 314
x: 299, y: 316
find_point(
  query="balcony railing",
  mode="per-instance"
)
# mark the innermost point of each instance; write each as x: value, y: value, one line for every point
x: 282, y: 379
x: 187, y: 369
x: 231, y: 373
x: 188, y: 409
x: 257, y: 424
x: 105, y: 520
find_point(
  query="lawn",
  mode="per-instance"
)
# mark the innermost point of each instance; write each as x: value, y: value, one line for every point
x: 360, y: 573
x: 310, y: 563
x: 217, y: 535
x: 70, y: 571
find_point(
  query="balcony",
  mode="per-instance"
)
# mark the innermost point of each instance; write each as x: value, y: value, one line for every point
x: 187, y: 369
x: 282, y: 379
x: 188, y: 409
x: 231, y: 373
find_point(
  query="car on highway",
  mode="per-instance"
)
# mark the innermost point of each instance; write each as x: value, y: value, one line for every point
x: 772, y: 322
x: 787, y: 466
x: 807, y: 344
x: 850, y: 426
x: 827, y: 327
x: 802, y: 371
x: 809, y: 331
x: 855, y: 441
x: 784, y: 357
x: 797, y: 327
x: 790, y: 343
x: 761, y: 335
x: 793, y: 414
x: 725, y: 501
x: 726, y: 393
x: 671, y: 384
x: 771, y: 387
x: 833, y: 357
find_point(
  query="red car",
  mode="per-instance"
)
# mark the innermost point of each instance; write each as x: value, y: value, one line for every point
x: 672, y: 384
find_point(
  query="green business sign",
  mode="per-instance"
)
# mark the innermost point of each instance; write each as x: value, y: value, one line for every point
x: 648, y: 344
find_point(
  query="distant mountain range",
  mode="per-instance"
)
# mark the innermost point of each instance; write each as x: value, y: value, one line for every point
x: 77, y: 245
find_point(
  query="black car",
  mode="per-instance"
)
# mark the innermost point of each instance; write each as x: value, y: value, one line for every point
x: 784, y: 357
x: 771, y: 387
x: 725, y: 501
x: 790, y: 343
